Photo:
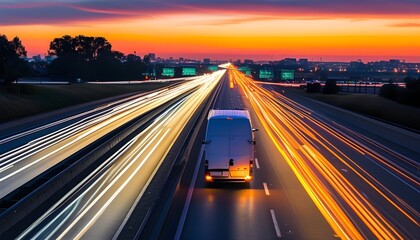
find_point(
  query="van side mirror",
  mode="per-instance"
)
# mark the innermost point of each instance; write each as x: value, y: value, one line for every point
x: 255, y: 129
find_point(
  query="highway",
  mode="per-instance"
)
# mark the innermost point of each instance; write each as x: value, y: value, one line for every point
x: 319, y: 172
x: 317, y: 176
x: 98, y: 206
x: 45, y: 146
x: 275, y: 205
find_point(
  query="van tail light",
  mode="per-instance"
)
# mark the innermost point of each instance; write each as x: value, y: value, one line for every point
x: 209, y: 178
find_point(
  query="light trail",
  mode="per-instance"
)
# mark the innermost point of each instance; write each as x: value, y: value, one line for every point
x: 294, y: 130
x: 25, y: 162
x: 97, y: 206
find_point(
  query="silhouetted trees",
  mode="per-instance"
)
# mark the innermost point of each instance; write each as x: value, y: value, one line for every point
x: 133, y: 67
x: 389, y: 90
x: 11, y: 65
x: 412, y: 83
x: 409, y: 95
x: 314, y: 87
x: 92, y: 59
x: 86, y: 48
x: 330, y: 87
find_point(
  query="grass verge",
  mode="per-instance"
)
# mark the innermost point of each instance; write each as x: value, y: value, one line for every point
x: 22, y: 100
x: 374, y: 106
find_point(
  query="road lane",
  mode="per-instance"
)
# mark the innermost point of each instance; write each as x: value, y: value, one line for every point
x: 98, y: 206
x: 23, y: 163
x: 320, y: 176
x: 234, y: 211
x: 309, y: 146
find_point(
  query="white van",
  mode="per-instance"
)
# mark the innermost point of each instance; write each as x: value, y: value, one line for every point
x: 229, y: 146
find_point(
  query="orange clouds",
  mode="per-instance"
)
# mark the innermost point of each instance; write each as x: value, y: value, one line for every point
x: 234, y: 35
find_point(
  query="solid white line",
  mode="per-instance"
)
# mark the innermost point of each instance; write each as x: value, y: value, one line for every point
x: 266, y: 189
x: 276, y: 225
x: 189, y: 196
x: 256, y: 163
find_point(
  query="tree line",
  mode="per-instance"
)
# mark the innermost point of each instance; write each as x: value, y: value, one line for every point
x: 11, y: 64
x: 81, y: 57
x: 410, y: 95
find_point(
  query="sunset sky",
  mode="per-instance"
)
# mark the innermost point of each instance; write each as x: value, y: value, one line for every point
x: 257, y: 29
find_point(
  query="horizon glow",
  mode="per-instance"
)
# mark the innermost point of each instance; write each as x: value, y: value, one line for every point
x: 263, y: 34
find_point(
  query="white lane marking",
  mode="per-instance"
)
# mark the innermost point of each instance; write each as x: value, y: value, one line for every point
x: 256, y: 163
x: 276, y: 225
x: 266, y: 189
x: 189, y: 196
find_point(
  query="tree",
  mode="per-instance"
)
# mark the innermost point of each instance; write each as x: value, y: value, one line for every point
x: 133, y: 57
x: 108, y: 68
x: 118, y: 55
x: 86, y: 48
x: 330, y: 87
x: 146, y: 59
x: 314, y: 87
x: 134, y: 68
x: 412, y: 83
x: 11, y: 66
x: 389, y: 91
x: 62, y: 47
x: 83, y: 57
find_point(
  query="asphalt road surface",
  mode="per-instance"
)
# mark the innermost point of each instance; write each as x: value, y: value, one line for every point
x: 320, y: 173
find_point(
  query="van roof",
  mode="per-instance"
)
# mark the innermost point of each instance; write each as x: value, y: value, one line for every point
x: 225, y: 113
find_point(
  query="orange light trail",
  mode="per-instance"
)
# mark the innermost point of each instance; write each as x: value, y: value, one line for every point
x: 286, y: 123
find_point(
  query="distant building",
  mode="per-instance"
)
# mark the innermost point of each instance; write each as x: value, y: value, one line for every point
x: 303, y: 64
x: 248, y: 62
x: 206, y: 61
x: 37, y: 58
x: 357, y: 66
x: 290, y: 61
